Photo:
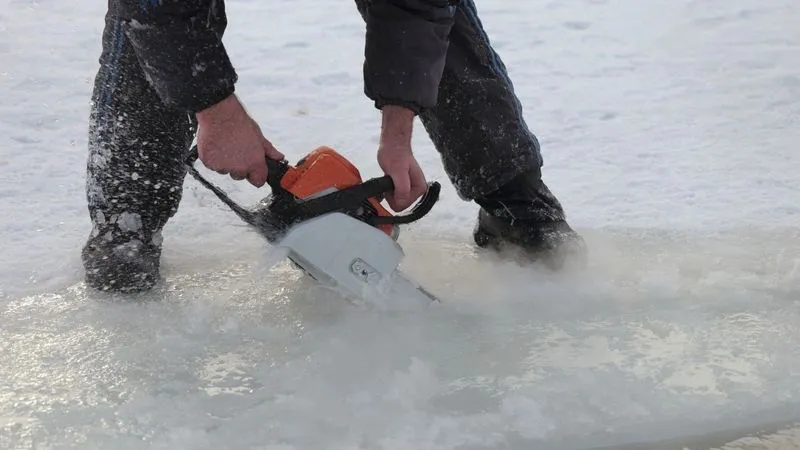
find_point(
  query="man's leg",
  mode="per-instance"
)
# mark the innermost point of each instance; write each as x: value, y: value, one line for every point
x: 134, y: 170
x: 488, y: 151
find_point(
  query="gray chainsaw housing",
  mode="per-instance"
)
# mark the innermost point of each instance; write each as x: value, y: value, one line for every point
x: 351, y: 256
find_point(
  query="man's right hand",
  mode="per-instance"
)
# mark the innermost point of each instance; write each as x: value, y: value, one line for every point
x: 230, y: 142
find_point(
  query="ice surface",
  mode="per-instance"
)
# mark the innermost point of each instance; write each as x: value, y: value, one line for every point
x: 669, y: 130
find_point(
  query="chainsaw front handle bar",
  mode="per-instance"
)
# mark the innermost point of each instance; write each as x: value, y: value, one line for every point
x: 353, y: 196
x: 423, y: 206
x: 347, y: 198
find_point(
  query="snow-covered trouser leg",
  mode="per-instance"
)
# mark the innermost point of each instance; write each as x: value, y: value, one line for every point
x: 134, y: 170
x: 488, y: 150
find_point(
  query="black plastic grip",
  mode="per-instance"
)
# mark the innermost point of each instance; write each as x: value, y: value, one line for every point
x: 423, y: 207
x: 275, y: 172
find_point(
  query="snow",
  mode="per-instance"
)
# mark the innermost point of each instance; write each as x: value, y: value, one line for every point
x: 669, y: 131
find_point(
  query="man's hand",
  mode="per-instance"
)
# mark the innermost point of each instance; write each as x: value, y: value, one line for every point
x: 397, y: 160
x: 229, y: 141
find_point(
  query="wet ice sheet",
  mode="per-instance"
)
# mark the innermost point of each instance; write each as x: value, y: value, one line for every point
x: 247, y: 359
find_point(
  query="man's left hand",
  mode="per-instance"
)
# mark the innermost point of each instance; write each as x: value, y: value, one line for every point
x: 397, y: 160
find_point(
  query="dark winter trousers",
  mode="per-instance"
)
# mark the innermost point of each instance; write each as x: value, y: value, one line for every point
x: 137, y: 145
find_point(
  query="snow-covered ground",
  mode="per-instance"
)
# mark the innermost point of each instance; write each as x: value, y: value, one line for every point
x: 669, y: 129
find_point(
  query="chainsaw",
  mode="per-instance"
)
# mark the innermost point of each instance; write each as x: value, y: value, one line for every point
x: 332, y: 223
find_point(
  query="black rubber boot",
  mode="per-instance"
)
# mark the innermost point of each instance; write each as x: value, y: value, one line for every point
x: 121, y: 262
x: 524, y: 215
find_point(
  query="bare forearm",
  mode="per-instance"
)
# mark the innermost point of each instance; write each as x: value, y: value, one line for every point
x: 396, y: 158
x: 397, y: 126
x: 223, y: 111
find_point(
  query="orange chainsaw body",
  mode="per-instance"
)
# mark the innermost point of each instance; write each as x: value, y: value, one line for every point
x: 325, y: 170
